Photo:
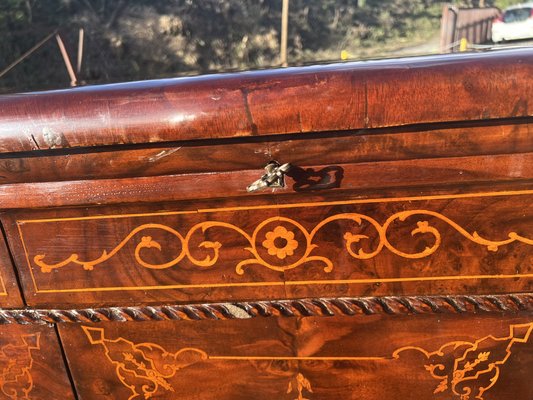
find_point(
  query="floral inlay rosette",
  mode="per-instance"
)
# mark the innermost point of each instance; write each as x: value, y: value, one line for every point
x: 280, y: 242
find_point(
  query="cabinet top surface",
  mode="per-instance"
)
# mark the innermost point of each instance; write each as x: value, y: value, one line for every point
x: 337, y: 97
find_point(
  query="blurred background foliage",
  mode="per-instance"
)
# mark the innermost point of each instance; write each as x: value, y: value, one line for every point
x: 143, y: 39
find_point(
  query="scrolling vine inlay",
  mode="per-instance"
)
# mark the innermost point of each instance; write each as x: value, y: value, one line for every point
x: 468, y: 369
x: 146, y: 367
x: 465, y: 370
x: 281, y: 242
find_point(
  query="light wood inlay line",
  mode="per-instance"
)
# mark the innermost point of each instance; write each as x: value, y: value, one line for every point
x: 287, y: 283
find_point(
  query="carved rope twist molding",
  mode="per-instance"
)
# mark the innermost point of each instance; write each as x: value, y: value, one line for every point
x: 393, y: 305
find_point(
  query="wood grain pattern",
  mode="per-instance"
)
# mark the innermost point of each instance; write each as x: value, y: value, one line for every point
x: 444, y: 244
x: 313, y: 358
x: 31, y: 364
x: 296, y: 100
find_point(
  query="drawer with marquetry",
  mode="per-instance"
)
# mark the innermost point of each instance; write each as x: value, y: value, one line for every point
x: 350, y: 357
x: 477, y: 242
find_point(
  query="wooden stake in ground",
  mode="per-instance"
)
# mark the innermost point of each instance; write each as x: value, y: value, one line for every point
x: 66, y: 59
x: 284, y: 32
x: 26, y: 54
x: 80, y: 51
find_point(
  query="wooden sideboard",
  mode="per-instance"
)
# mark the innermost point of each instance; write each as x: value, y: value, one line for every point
x: 391, y: 258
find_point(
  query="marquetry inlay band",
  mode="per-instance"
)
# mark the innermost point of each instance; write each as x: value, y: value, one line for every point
x: 238, y: 247
x: 392, y: 305
x: 276, y: 231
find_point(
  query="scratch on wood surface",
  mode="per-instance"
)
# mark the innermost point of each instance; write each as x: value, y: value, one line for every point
x: 162, y: 154
x: 35, y: 142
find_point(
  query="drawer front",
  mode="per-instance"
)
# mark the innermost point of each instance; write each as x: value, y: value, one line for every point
x: 32, y: 364
x: 370, y: 358
x: 402, y: 149
x: 476, y: 243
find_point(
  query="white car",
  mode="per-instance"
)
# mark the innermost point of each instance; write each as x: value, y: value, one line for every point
x: 514, y: 23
